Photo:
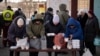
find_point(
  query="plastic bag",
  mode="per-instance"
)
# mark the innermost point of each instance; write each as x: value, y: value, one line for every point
x: 35, y: 43
x: 69, y: 44
x: 23, y: 43
x: 87, y: 52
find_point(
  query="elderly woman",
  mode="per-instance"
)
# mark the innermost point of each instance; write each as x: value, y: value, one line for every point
x: 91, y: 30
x: 82, y: 18
x: 16, y: 31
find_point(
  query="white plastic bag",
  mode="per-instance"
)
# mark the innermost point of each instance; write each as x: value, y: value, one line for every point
x: 23, y: 43
x: 87, y: 52
x: 69, y: 45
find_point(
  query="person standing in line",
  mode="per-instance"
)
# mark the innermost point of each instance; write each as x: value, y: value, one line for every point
x: 19, y: 12
x: 48, y: 16
x: 32, y: 17
x: 82, y: 18
x: 91, y: 30
x: 54, y: 27
x: 63, y: 15
x: 7, y: 16
x: 1, y: 24
x: 35, y: 30
x: 16, y: 31
x: 74, y: 31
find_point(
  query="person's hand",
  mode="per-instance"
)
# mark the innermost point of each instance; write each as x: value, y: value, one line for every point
x: 71, y: 36
x: 17, y: 38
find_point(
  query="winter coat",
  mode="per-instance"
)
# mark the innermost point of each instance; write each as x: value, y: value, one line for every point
x: 63, y: 15
x: 82, y: 20
x: 91, y: 29
x: 76, y: 31
x: 34, y: 29
x: 51, y: 28
x: 19, y: 13
x: 15, y: 31
x: 48, y: 17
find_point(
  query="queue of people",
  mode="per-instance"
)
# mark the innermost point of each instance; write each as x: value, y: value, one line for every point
x: 84, y: 28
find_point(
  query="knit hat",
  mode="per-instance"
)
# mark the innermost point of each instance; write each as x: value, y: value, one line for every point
x: 56, y: 19
x: 20, y: 21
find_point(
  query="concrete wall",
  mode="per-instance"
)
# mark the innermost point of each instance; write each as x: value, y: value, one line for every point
x: 97, y: 9
x: 55, y: 4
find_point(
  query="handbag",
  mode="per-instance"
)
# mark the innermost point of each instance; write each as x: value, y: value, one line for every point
x: 97, y: 41
x: 35, y: 43
x: 87, y: 52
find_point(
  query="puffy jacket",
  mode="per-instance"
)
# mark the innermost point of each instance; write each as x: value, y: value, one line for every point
x: 15, y: 31
x: 76, y: 31
x: 34, y: 29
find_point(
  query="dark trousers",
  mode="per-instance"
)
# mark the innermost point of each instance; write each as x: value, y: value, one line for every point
x: 50, y: 44
x: 81, y: 48
x: 12, y: 52
x: 91, y: 47
x: 5, y: 31
x: 33, y: 53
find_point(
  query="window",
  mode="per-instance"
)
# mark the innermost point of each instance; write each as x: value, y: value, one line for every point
x: 83, y: 4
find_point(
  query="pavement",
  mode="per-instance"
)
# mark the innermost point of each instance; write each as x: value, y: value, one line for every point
x: 5, y: 51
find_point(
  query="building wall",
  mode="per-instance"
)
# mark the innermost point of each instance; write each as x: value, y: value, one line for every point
x: 97, y: 9
x: 55, y: 4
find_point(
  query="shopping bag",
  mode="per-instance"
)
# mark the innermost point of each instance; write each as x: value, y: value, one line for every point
x: 21, y: 42
x: 87, y: 52
x: 59, y: 41
x: 69, y: 44
x: 76, y: 43
x: 97, y: 41
x: 35, y: 43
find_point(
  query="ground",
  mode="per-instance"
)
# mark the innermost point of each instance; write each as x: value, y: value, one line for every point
x: 5, y: 51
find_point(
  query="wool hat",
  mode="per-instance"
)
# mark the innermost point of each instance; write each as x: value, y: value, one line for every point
x: 20, y: 21
x: 56, y: 19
